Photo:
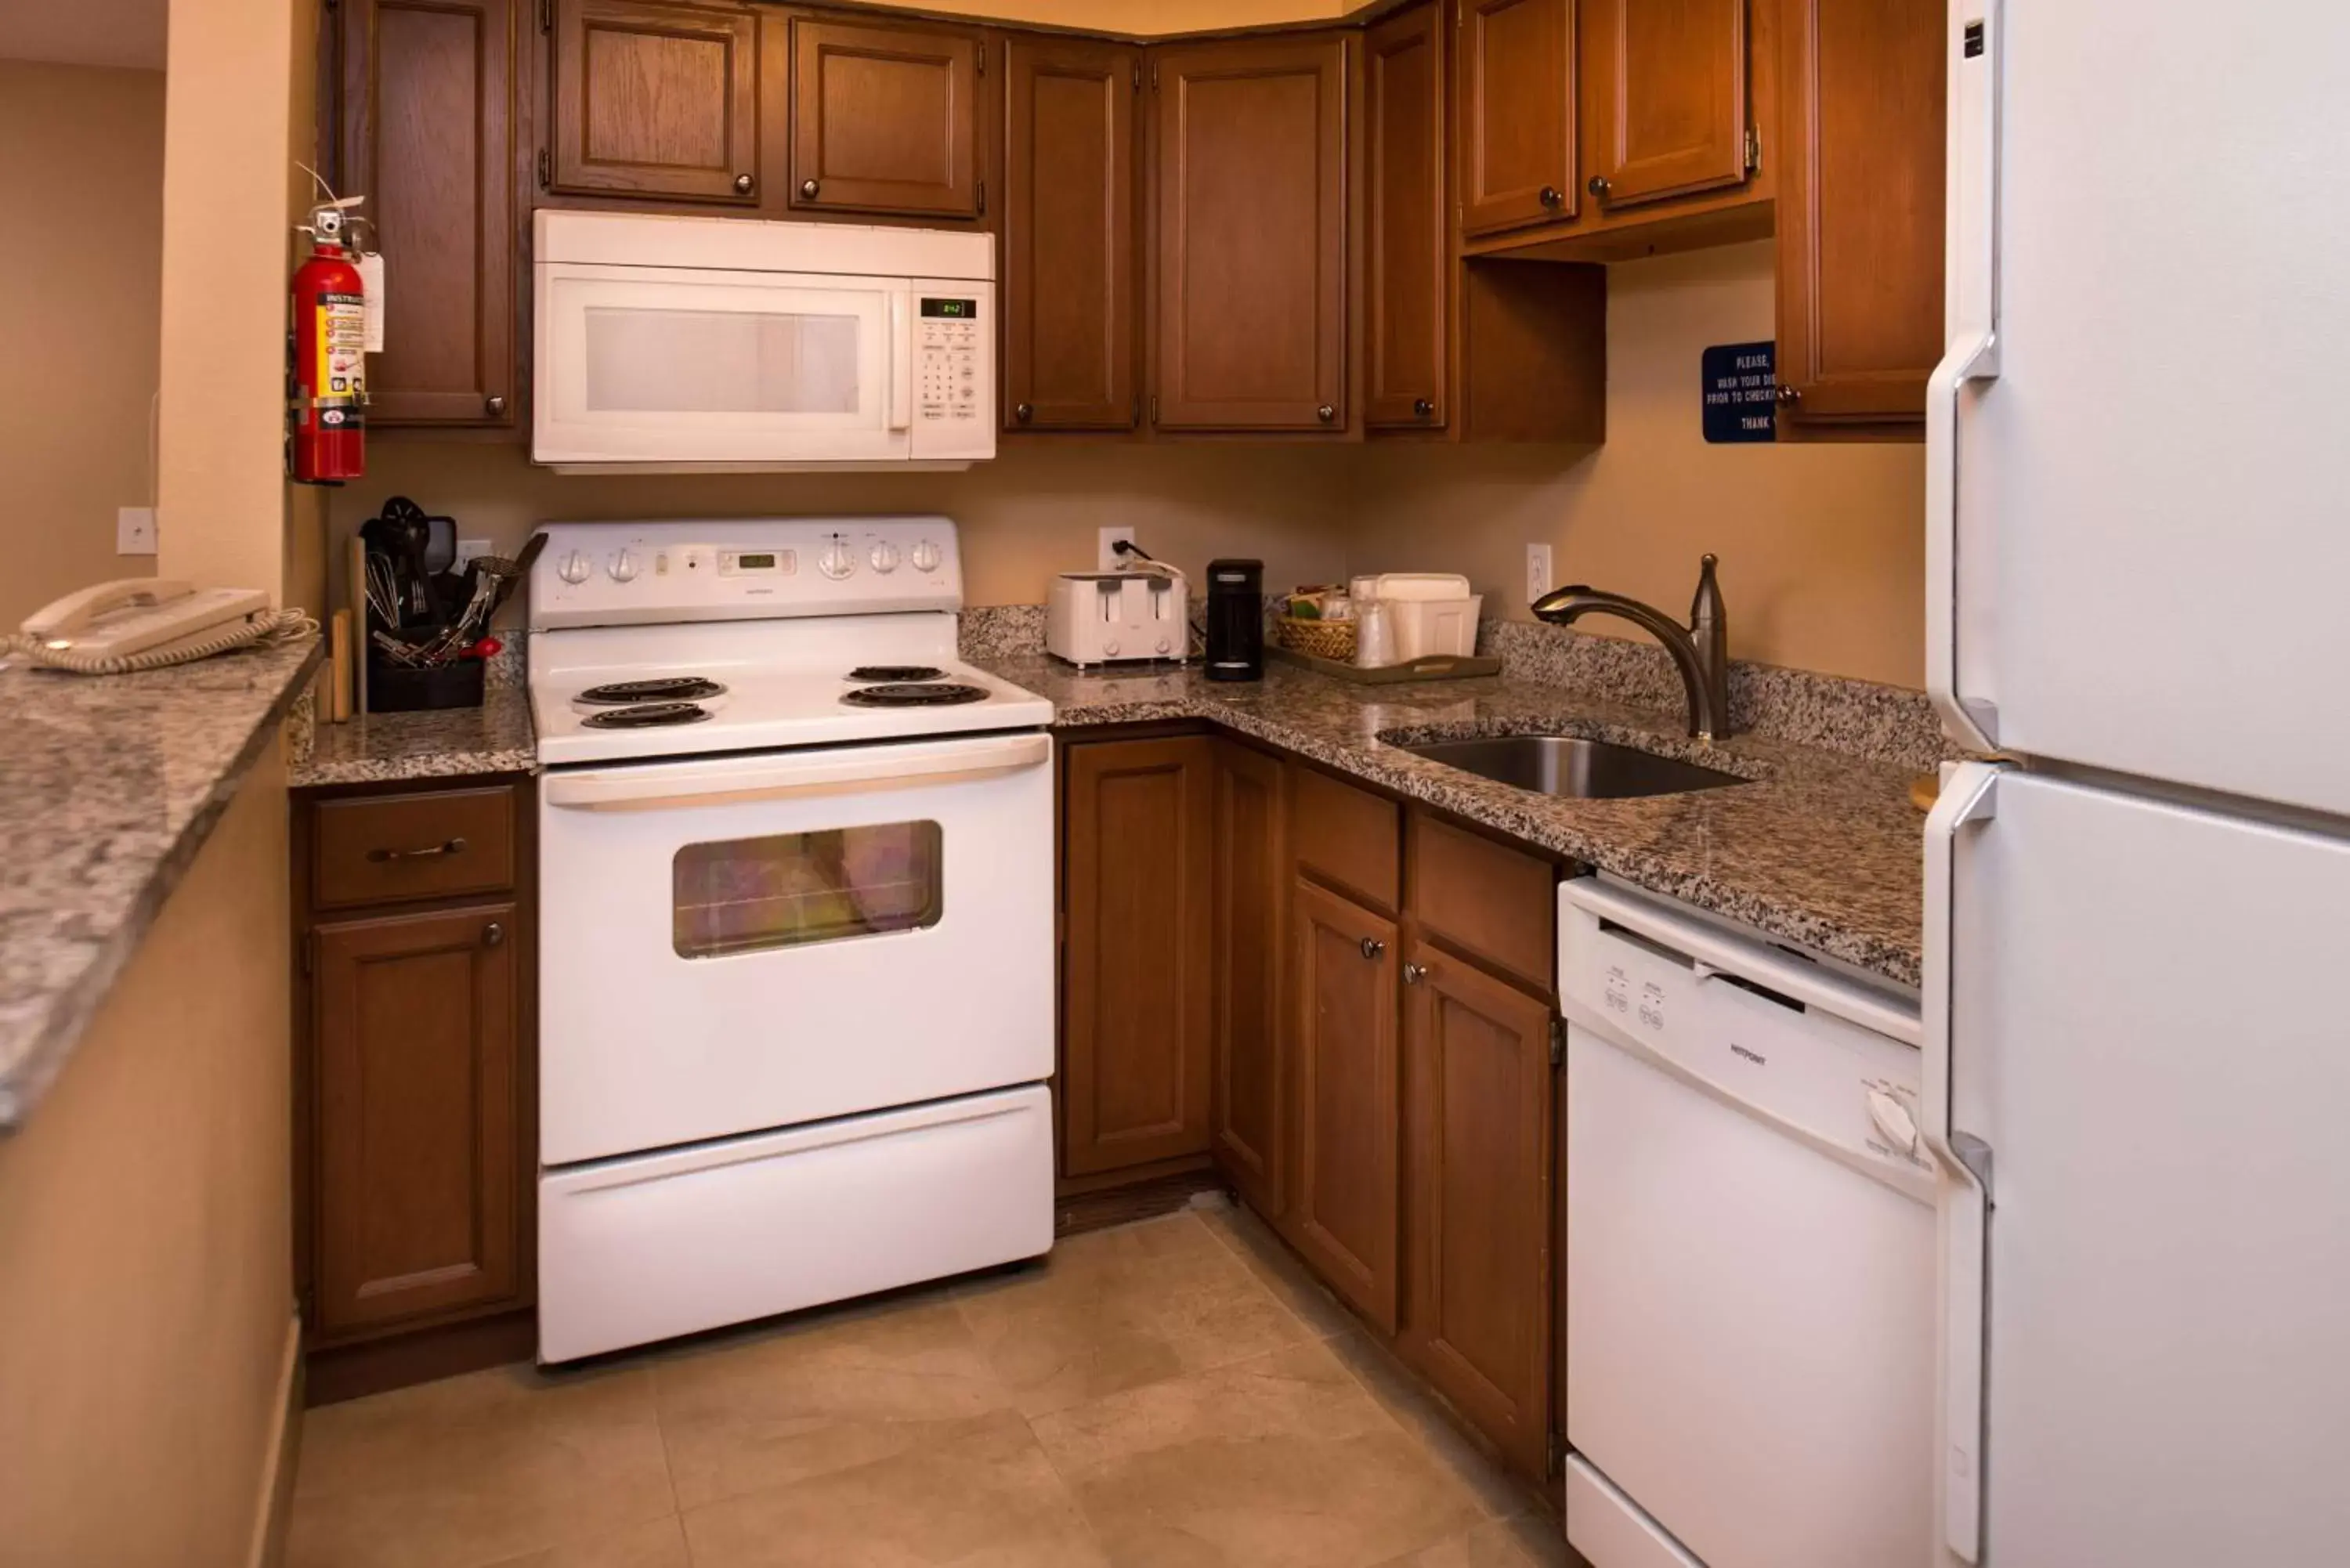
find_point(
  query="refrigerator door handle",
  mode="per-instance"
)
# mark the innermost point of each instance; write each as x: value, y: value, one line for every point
x: 1969, y: 794
x: 1970, y: 320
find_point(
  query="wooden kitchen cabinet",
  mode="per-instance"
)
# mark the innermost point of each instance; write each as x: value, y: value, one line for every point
x: 1249, y: 259
x: 1139, y: 829
x: 1344, y: 1210
x: 1407, y: 335
x: 1664, y: 88
x: 885, y: 118
x: 426, y: 134
x: 1515, y: 113
x: 654, y: 100
x: 1859, y: 231
x: 1478, y: 1205
x: 417, y: 1092
x: 1251, y: 1100
x: 1070, y: 264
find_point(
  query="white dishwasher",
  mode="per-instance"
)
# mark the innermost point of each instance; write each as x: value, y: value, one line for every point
x: 1750, y: 1250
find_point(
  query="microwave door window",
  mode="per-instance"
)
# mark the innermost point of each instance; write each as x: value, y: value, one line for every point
x: 644, y: 360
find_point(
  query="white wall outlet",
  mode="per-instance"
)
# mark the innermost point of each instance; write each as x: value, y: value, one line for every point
x: 1538, y: 578
x: 469, y: 548
x: 134, y: 530
x: 1105, y: 558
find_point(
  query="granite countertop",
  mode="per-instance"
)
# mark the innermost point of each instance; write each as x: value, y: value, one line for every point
x: 1821, y: 848
x: 109, y: 788
x: 494, y: 738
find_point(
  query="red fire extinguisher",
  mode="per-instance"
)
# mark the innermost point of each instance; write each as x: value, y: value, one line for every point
x: 326, y: 433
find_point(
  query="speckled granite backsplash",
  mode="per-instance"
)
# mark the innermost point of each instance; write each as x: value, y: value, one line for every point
x: 1884, y: 723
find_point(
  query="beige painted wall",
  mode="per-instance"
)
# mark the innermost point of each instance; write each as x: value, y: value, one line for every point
x: 146, y: 1283
x: 81, y: 214
x: 1028, y: 514
x: 1822, y: 546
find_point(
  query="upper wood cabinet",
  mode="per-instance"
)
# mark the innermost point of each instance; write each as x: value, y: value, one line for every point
x: 1516, y: 107
x: 1251, y: 1085
x: 885, y: 118
x: 428, y: 93
x: 1860, y: 210
x: 655, y: 100
x: 1139, y: 825
x: 1248, y: 320
x: 1069, y: 259
x: 1406, y: 340
x: 1665, y: 98
x: 418, y: 1108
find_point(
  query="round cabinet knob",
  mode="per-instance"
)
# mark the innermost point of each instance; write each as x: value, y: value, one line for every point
x: 808, y: 188
x: 1413, y: 974
x: 493, y: 934
x: 926, y: 556
x: 623, y: 567
x: 1422, y: 407
x: 575, y: 567
x: 1791, y: 394
x: 1597, y: 185
x: 1373, y: 947
x: 1023, y: 412
x: 838, y: 560
x: 495, y: 404
x: 743, y: 185
x: 1552, y: 196
x: 885, y: 556
x: 1326, y: 413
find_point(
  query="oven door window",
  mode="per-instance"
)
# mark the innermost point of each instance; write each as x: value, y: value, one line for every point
x: 794, y: 890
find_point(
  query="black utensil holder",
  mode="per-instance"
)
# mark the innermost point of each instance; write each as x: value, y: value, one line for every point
x: 401, y: 689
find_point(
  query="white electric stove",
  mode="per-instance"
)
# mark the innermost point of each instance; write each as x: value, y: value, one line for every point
x: 796, y: 967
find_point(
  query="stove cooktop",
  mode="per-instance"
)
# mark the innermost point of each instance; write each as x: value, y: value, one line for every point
x: 646, y: 716
x: 914, y: 694
x: 654, y: 689
x: 897, y: 672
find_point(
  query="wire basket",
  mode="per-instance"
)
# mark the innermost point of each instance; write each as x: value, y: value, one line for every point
x: 1322, y: 638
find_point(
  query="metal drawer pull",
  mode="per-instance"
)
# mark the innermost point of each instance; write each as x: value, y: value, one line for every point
x: 1373, y: 947
x: 454, y: 846
x: 1413, y: 974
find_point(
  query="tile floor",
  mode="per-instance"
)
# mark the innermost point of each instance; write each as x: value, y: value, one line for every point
x: 1176, y: 1391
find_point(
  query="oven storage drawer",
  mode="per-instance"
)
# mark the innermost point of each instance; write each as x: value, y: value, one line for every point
x: 647, y: 1247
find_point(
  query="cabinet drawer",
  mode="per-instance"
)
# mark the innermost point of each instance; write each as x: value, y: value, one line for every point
x: 1484, y: 898
x: 1345, y: 836
x: 384, y: 849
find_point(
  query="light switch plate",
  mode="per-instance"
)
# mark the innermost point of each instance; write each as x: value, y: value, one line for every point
x: 134, y: 530
x: 1538, y: 578
x: 1105, y: 558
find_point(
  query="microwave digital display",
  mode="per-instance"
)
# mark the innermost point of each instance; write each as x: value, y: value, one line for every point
x: 959, y: 309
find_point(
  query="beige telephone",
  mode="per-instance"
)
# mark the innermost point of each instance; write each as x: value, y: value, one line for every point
x: 145, y: 623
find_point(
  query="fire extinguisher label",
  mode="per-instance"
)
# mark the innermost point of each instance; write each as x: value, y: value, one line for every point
x: 342, y: 357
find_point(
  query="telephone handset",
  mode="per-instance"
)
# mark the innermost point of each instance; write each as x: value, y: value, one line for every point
x: 144, y: 623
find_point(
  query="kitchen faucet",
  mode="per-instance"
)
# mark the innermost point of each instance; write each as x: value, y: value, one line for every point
x: 1701, y: 652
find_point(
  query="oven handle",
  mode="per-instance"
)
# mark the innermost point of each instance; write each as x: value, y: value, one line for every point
x: 775, y: 777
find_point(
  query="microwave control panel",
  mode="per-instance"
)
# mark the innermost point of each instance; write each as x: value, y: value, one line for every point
x: 954, y: 371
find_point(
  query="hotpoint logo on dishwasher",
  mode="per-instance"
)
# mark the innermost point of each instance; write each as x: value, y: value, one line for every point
x: 1754, y: 1057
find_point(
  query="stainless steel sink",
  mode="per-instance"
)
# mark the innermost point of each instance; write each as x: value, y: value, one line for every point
x: 1571, y: 766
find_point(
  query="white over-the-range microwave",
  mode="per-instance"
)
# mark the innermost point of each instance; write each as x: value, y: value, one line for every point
x: 725, y: 345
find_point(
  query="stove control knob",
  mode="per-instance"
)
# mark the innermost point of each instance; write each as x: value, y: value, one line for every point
x: 838, y: 560
x: 885, y: 556
x: 576, y: 568
x: 623, y: 567
x: 926, y: 556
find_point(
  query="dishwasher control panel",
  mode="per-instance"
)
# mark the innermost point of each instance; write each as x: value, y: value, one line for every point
x: 1677, y: 994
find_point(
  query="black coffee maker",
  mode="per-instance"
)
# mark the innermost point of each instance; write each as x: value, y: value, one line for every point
x: 1235, y: 620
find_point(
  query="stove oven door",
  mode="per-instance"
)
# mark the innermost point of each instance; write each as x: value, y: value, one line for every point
x: 736, y: 944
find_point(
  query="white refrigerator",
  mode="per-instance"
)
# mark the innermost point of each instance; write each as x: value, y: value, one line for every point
x: 2137, y: 1001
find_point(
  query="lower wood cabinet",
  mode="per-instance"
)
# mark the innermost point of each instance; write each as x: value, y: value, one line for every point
x: 1252, y: 1099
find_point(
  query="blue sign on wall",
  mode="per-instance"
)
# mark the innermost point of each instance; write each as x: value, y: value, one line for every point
x: 1742, y: 392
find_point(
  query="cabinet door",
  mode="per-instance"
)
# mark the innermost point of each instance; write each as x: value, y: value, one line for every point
x: 1343, y: 1213
x: 1478, y: 1089
x: 885, y: 120
x: 1252, y: 1099
x: 1248, y: 315
x: 1860, y: 208
x: 1410, y: 259
x: 1068, y: 234
x: 1138, y: 821
x: 1516, y: 105
x: 655, y: 100
x: 428, y: 95
x: 1663, y: 85
x: 418, y: 1136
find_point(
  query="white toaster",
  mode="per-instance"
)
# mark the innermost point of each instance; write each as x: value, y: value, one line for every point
x: 1109, y: 618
